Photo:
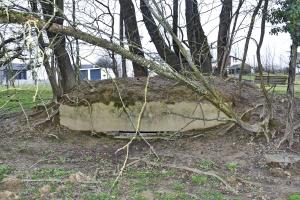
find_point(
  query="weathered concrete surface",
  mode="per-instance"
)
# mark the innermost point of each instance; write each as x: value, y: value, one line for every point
x: 158, y: 116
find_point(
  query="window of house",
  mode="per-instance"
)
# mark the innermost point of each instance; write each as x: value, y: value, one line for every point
x: 84, y: 74
x: 21, y: 75
x: 95, y: 74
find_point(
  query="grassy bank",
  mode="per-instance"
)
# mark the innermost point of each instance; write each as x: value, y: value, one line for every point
x: 13, y: 99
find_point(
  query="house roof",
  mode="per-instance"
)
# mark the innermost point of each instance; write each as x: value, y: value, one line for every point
x: 86, y: 66
x: 14, y: 66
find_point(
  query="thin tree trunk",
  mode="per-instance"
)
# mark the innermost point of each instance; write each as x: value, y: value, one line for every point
x: 255, y: 12
x: 223, y: 34
x: 269, y: 112
x: 175, y: 26
x: 68, y: 79
x: 258, y: 56
x: 77, y: 59
x: 289, y: 129
x: 124, y: 70
x: 132, y: 34
x: 230, y: 41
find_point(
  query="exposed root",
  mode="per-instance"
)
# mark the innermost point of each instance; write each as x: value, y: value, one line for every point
x: 57, y: 181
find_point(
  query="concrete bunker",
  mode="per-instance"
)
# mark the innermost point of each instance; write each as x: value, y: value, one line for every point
x: 171, y: 107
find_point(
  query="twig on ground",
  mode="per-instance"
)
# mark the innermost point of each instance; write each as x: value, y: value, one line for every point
x: 27, y: 120
x: 39, y: 161
x: 57, y: 181
x: 126, y: 147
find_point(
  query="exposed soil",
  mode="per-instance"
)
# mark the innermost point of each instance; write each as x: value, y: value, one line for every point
x: 52, y: 162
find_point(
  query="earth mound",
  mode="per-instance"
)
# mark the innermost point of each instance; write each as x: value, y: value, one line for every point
x: 114, y: 106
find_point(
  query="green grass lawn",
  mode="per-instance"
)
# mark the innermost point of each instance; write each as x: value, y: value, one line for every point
x: 279, y: 89
x: 13, y: 99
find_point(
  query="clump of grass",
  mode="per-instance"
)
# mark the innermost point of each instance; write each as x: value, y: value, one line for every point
x: 178, y: 186
x: 101, y: 196
x: 294, y: 197
x: 4, y: 170
x: 206, y: 164
x: 199, y: 179
x: 232, y: 166
x: 168, y: 196
x: 51, y: 173
x: 212, y: 195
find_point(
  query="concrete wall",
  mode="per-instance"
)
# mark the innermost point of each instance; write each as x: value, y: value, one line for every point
x: 158, y: 116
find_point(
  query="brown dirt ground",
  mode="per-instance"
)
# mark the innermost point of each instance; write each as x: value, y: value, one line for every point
x: 29, y: 151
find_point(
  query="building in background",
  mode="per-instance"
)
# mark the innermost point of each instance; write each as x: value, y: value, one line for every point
x: 20, y: 74
x: 233, y: 66
x: 92, y: 73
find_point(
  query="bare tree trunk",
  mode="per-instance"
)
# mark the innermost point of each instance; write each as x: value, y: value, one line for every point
x: 258, y: 56
x: 162, y: 48
x: 289, y: 130
x: 68, y: 80
x: 77, y: 59
x: 255, y: 12
x: 269, y: 112
x: 132, y: 34
x: 197, y: 39
x: 231, y: 38
x: 56, y: 89
x: 175, y: 26
x: 124, y: 70
x: 223, y: 35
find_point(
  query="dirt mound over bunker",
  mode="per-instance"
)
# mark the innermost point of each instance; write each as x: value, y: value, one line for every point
x: 171, y: 106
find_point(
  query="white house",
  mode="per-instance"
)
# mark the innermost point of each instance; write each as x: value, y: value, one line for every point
x: 21, y: 75
x: 91, y: 72
x: 233, y: 66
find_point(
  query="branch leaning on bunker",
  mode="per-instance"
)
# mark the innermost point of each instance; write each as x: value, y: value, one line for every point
x: 200, y: 86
